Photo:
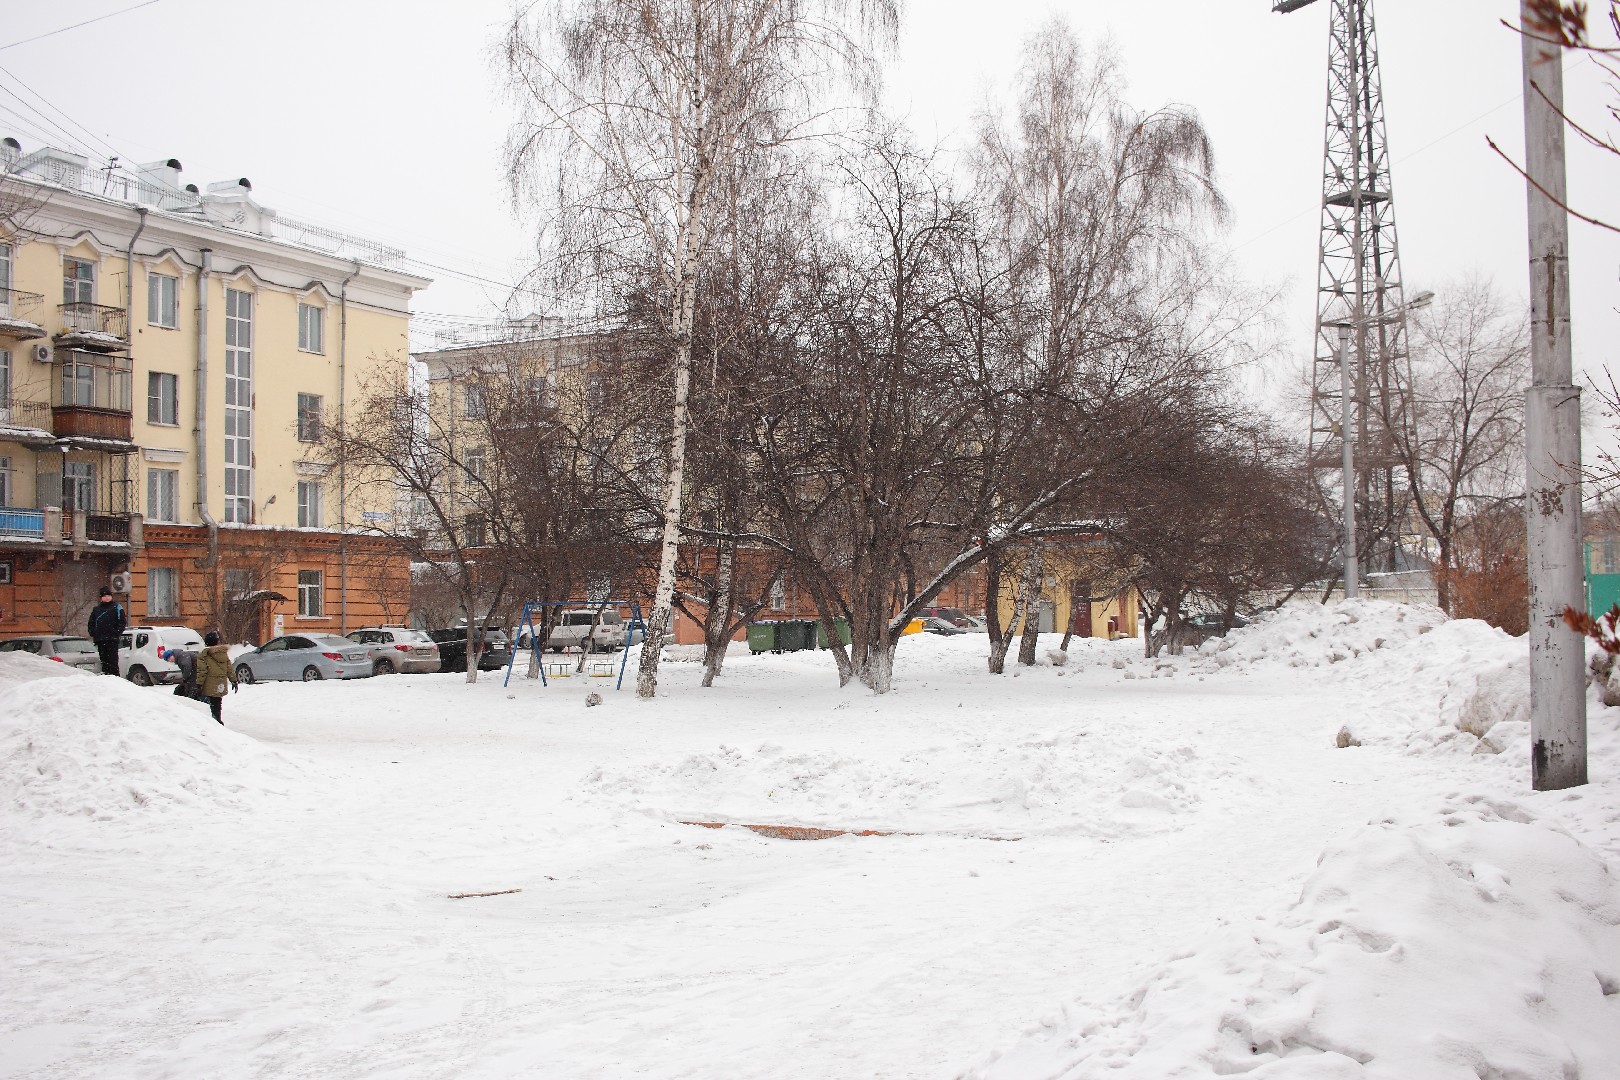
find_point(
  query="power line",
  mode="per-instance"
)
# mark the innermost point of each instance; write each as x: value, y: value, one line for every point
x: 93, y: 137
x: 75, y: 26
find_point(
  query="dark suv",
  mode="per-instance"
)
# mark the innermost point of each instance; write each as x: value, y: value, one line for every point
x: 452, y: 642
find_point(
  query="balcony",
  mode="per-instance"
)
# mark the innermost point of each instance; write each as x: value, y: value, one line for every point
x: 17, y: 523
x: 90, y: 398
x: 18, y: 310
x: 27, y: 422
x: 93, y: 326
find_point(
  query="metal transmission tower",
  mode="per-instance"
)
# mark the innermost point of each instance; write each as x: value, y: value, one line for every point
x: 1359, y: 287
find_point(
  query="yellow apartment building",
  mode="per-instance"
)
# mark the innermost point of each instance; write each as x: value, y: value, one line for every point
x: 169, y: 356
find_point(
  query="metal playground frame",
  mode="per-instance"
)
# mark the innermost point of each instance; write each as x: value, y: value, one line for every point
x: 534, y: 610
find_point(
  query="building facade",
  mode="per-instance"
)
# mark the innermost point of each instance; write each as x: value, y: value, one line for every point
x: 169, y: 357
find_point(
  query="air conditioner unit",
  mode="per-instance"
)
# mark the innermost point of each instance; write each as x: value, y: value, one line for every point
x: 119, y: 583
x: 44, y: 353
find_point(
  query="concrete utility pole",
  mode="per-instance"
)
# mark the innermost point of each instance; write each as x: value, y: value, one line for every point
x: 1552, y: 437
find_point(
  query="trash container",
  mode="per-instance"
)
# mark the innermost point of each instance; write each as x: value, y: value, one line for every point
x: 790, y: 636
x: 762, y: 637
x: 839, y: 623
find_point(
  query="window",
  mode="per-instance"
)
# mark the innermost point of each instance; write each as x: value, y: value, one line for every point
x: 475, y: 463
x: 78, y: 383
x: 162, y: 398
x: 162, y: 592
x: 5, y: 382
x: 311, y: 336
x: 163, y: 494
x: 5, y: 277
x: 309, y: 504
x: 163, y: 300
x: 5, y: 481
x: 78, y: 281
x: 238, y: 406
x: 472, y: 403
x: 238, y: 583
x: 309, y: 418
x: 778, y: 595
x: 310, y: 603
x: 78, y: 485
x: 473, y: 530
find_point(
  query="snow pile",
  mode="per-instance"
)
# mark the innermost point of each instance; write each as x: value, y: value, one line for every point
x: 1475, y: 942
x: 1315, y: 635
x: 103, y: 748
x: 1070, y: 783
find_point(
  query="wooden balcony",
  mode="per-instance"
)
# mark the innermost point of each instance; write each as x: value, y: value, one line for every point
x: 78, y: 420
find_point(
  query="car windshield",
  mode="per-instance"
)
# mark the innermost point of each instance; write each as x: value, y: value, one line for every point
x: 411, y: 637
x: 332, y: 641
x: 74, y: 645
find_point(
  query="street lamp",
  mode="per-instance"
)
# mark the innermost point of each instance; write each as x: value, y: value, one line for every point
x: 1346, y: 429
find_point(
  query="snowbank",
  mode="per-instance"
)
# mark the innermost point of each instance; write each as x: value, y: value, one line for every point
x: 1069, y: 782
x: 1315, y: 635
x: 1476, y: 941
x: 81, y: 745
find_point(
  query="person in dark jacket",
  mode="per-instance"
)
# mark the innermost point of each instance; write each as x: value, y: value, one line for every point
x: 106, y: 627
x: 186, y: 661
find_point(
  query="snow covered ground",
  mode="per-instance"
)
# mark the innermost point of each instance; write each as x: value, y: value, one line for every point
x: 1115, y: 867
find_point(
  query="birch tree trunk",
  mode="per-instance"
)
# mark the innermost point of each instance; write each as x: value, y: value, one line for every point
x: 718, y: 618
x: 999, y: 645
x: 664, y: 600
x: 1032, y: 614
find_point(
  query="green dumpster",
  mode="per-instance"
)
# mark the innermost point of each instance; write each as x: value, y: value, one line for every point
x: 840, y: 623
x: 790, y: 636
x: 762, y: 637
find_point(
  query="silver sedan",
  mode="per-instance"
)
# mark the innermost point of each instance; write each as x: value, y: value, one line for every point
x: 73, y: 651
x: 310, y: 657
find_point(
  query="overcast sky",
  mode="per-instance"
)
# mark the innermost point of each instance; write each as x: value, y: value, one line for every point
x: 386, y: 119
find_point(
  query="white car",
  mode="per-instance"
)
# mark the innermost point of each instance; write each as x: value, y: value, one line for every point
x: 138, y: 652
x: 574, y: 626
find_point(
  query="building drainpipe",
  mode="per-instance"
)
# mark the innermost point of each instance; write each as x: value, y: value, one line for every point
x: 129, y: 321
x: 199, y: 429
x: 343, y: 490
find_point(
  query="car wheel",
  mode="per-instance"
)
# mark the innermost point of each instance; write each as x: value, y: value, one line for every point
x: 312, y: 674
x: 138, y: 675
x: 244, y: 674
x: 384, y: 667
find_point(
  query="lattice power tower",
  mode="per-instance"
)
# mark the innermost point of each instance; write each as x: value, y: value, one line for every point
x: 1359, y: 284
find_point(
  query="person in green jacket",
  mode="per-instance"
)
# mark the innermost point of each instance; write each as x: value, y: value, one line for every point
x: 215, y: 675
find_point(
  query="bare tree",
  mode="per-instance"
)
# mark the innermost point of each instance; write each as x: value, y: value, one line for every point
x: 637, y: 114
x: 1464, y: 441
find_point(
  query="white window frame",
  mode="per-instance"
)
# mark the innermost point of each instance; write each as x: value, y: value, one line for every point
x: 162, y: 592
x: 163, y: 300
x: 473, y: 405
x: 779, y: 595
x: 163, y: 495
x: 5, y: 481
x: 80, y: 284
x: 238, y: 406
x: 311, y: 494
x: 166, y: 399
x: 475, y: 461
x: 311, y: 328
x: 311, y: 604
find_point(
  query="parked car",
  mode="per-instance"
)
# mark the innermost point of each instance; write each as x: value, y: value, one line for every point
x: 933, y: 624
x: 574, y: 625
x: 141, y: 650
x: 73, y: 651
x: 310, y: 657
x: 397, y: 648
x: 452, y: 642
x: 1214, y: 624
x: 954, y: 616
